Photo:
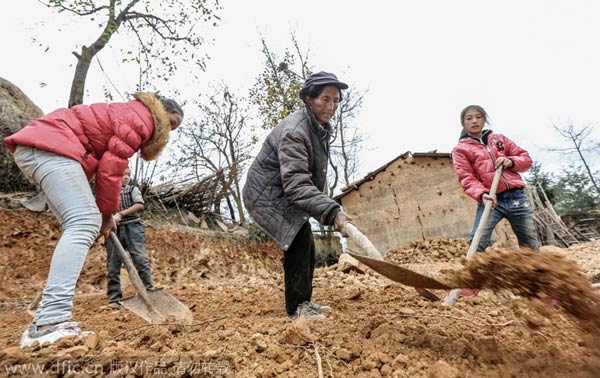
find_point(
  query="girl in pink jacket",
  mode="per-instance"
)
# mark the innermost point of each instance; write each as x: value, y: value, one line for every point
x: 60, y: 153
x: 476, y: 156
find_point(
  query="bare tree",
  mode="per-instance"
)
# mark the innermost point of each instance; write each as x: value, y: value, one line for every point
x: 275, y: 91
x: 346, y: 141
x: 219, y: 144
x: 580, y: 144
x: 165, y: 30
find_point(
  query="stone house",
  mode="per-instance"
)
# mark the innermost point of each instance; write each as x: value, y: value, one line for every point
x: 413, y: 197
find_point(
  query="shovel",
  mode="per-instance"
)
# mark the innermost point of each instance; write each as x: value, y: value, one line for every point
x: 374, y: 260
x: 154, y: 306
x: 452, y: 296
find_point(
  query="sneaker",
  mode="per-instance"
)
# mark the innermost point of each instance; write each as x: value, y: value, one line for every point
x: 318, y: 308
x: 52, y: 334
x: 469, y: 292
x: 306, y: 311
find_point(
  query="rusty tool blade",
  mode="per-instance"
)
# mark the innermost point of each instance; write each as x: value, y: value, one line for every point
x: 401, y: 275
x: 154, y: 306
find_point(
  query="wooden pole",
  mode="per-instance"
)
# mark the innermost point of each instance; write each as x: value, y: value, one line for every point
x: 452, y: 296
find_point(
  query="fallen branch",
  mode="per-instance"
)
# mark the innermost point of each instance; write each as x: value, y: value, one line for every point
x: 330, y: 368
x: 169, y: 324
x: 319, y: 363
x: 458, y: 318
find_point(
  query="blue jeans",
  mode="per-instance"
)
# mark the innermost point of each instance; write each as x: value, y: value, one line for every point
x: 514, y: 206
x: 68, y: 194
x: 133, y: 239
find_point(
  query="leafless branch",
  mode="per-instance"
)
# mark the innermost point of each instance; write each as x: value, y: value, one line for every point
x: 61, y: 7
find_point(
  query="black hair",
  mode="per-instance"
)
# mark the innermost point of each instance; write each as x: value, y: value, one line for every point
x: 476, y: 108
x: 171, y: 106
x: 314, y: 91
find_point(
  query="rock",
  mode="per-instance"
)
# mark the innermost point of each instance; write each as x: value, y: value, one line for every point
x: 287, y: 365
x: 16, y: 109
x: 66, y: 342
x: 91, y: 341
x: 372, y: 362
x: 384, y: 358
x: 260, y: 344
x: 354, y: 293
x: 13, y: 352
x: 345, y: 355
x: 401, y: 361
x: 259, y: 371
x: 77, y: 351
x: 191, y: 219
x: 298, y: 333
x: 386, y: 370
x: 407, y: 311
x: 222, y: 226
x: 347, y: 263
x: 441, y: 369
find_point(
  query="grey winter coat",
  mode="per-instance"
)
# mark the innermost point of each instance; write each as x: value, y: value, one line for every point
x: 286, y: 180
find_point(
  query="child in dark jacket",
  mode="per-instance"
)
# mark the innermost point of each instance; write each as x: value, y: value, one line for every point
x: 132, y: 235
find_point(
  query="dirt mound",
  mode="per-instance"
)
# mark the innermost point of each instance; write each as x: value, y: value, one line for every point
x: 430, y: 250
x: 178, y: 259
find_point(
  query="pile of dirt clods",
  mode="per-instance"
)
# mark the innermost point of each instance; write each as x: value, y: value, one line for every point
x: 234, y: 287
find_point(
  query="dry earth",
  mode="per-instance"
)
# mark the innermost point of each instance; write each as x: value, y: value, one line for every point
x: 234, y: 288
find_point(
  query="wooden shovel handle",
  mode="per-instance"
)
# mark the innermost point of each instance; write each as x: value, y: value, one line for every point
x: 484, y: 217
x: 452, y: 296
x: 131, y: 271
x: 362, y: 241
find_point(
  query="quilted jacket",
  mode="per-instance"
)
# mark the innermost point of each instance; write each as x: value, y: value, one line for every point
x: 285, y: 182
x: 474, y: 160
x: 101, y: 137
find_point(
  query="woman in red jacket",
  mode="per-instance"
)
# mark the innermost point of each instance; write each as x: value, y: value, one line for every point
x: 60, y: 153
x: 476, y: 156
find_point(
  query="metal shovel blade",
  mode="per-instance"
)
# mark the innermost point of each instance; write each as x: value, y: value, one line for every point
x: 162, y: 306
x: 154, y: 305
x: 402, y: 275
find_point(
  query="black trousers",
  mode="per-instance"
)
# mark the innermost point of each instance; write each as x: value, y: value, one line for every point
x: 298, y: 268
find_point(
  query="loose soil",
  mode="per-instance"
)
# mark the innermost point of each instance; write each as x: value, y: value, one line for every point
x: 542, y: 327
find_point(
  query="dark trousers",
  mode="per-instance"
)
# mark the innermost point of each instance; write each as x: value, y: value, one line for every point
x: 133, y: 238
x: 298, y: 268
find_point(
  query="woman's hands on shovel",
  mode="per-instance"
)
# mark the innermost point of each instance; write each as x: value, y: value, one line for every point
x: 487, y: 197
x: 503, y: 162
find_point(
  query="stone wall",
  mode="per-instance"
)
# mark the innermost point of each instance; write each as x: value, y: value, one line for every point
x: 414, y: 198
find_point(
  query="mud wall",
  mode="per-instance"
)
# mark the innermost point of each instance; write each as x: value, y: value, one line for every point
x: 414, y: 199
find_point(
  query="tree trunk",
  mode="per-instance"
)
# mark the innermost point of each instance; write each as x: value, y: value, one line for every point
x: 230, y: 206
x: 589, y: 171
x: 87, y: 53
x: 237, y: 198
x: 81, y: 70
x: 239, y: 205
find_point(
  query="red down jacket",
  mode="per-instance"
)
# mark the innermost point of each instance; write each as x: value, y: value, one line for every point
x: 102, y: 137
x: 474, y: 163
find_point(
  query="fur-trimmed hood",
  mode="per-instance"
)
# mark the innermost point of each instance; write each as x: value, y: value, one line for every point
x: 162, y: 125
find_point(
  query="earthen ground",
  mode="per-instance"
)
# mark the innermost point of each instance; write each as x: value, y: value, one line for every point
x: 234, y: 288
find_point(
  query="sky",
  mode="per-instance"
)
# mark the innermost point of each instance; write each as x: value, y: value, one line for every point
x: 531, y: 64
